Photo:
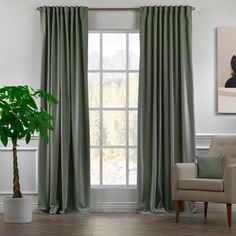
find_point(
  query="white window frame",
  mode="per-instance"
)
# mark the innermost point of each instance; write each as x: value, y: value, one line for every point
x: 100, y: 147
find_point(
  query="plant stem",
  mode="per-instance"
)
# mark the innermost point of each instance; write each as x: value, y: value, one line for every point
x: 16, y: 184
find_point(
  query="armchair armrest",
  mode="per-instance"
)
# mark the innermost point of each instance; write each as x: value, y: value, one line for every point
x: 182, y: 170
x: 230, y: 183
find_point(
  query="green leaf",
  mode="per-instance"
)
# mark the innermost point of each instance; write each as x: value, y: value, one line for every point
x: 32, y: 103
x: 43, y: 134
x: 28, y: 137
x: 3, y: 89
x: 50, y: 98
x: 20, y: 116
x: 14, y: 139
x: 4, y: 139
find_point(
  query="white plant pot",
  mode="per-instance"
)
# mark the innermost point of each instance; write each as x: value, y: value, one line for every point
x: 18, y: 210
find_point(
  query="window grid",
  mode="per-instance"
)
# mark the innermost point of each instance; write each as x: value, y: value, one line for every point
x: 127, y: 109
x: 101, y: 110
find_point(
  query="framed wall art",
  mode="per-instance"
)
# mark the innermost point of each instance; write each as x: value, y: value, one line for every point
x: 226, y: 69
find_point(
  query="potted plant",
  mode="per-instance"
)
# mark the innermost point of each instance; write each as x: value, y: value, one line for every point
x: 20, y: 118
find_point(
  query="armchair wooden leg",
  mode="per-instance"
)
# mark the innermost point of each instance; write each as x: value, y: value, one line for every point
x: 205, y: 209
x: 178, y: 206
x: 229, y: 214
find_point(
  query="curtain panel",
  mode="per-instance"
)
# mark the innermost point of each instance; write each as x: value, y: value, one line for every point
x: 64, y: 163
x: 166, y: 131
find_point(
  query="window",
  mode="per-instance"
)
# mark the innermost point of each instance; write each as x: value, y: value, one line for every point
x: 113, y: 63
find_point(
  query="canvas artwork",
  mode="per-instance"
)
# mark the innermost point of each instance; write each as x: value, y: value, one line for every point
x: 226, y: 69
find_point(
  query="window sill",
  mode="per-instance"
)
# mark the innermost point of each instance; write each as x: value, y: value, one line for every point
x: 113, y: 187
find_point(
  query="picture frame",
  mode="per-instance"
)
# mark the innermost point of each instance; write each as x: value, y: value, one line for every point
x: 226, y: 69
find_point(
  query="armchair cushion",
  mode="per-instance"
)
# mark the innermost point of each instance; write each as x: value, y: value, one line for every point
x: 180, y: 171
x: 210, y: 167
x: 201, y: 184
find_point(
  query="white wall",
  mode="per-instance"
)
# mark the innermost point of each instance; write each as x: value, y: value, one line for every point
x: 20, y: 48
x: 20, y: 55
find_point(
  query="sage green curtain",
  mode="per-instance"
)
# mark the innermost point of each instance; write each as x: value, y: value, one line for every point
x: 64, y: 163
x: 166, y: 114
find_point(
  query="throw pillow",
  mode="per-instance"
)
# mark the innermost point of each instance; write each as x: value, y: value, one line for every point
x: 210, y: 167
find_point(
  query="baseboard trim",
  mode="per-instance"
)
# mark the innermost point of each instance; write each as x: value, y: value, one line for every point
x: 34, y: 207
x: 98, y: 207
x: 113, y: 207
x: 131, y: 207
x: 214, y: 207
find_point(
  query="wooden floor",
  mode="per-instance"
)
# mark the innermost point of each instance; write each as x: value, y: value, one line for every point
x: 125, y: 224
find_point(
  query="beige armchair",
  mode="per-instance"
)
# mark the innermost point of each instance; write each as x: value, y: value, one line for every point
x: 186, y: 186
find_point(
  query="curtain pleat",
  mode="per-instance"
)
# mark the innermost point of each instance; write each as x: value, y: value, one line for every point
x: 64, y: 163
x: 166, y: 133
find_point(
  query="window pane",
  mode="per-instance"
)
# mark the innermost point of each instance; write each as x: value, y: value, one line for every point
x: 133, y: 126
x: 114, y: 132
x: 94, y: 51
x: 133, y: 166
x: 133, y: 90
x: 94, y: 92
x: 94, y: 128
x: 114, y: 90
x: 133, y: 51
x: 113, y: 105
x: 114, y: 166
x: 114, y: 51
x: 95, y: 166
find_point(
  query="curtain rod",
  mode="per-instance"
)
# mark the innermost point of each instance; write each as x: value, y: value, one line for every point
x: 112, y: 9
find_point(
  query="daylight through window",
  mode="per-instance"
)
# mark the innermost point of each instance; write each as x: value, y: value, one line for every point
x: 113, y: 63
